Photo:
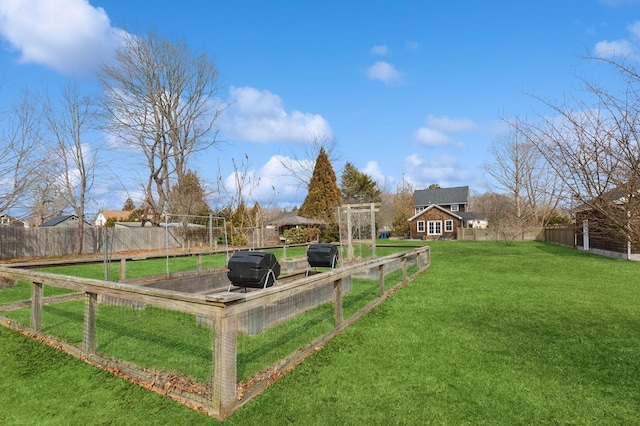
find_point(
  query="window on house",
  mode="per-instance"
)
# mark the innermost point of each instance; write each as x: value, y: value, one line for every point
x: 434, y: 227
x: 455, y: 207
x: 448, y: 226
x: 420, y: 226
x: 418, y: 209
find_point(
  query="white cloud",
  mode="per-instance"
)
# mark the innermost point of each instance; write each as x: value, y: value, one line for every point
x: 635, y: 29
x: 451, y: 125
x: 380, y: 50
x: 373, y: 169
x: 613, y: 48
x: 259, y: 116
x: 70, y: 36
x: 436, y: 131
x: 443, y: 170
x: 431, y: 137
x: 384, y: 72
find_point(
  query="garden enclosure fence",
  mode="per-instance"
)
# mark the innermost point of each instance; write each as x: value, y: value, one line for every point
x: 212, y: 351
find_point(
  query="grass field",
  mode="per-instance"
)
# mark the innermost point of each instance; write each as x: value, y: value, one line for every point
x: 524, y: 333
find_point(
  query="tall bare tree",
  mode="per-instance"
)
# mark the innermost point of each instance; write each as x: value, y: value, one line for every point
x: 403, y: 207
x: 234, y: 197
x: 593, y: 144
x: 20, y: 135
x: 520, y: 171
x: 160, y: 102
x: 500, y: 211
x: 72, y: 158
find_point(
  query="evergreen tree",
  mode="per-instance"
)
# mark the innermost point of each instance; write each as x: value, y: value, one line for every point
x: 358, y: 187
x: 128, y: 205
x: 324, y: 195
x: 187, y: 196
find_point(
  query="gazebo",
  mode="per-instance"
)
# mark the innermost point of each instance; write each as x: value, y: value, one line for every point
x: 291, y: 220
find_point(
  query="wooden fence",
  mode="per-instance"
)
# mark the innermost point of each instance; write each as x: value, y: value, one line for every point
x: 49, y: 241
x: 223, y: 312
x: 563, y: 235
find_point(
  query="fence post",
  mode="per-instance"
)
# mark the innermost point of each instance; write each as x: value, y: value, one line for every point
x: 123, y: 269
x: 36, y: 307
x: 90, y: 310
x: 337, y: 301
x: 225, y: 354
x: 373, y: 229
x: 381, y: 279
x: 404, y: 268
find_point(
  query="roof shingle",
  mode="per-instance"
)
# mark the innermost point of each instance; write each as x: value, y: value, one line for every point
x: 441, y: 196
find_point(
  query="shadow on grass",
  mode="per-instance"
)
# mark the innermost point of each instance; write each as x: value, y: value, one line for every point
x: 569, y: 252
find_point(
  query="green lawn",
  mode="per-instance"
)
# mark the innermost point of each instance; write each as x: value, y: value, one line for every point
x: 492, y: 333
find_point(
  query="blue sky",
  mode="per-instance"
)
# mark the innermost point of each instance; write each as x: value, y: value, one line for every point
x: 409, y: 89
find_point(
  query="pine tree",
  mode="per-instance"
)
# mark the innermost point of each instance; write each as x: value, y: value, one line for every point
x: 128, y: 205
x: 187, y: 197
x: 324, y: 195
x: 358, y: 187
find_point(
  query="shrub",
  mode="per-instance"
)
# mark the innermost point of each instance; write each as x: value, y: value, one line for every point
x: 296, y: 235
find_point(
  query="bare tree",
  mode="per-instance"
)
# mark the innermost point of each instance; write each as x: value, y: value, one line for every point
x: 520, y: 171
x: 593, y: 145
x: 300, y: 164
x: 160, y: 101
x: 500, y: 211
x: 18, y: 158
x: 402, y: 208
x: 72, y: 157
x: 234, y: 198
x: 44, y: 199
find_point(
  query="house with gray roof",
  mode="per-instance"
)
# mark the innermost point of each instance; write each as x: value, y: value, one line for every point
x: 63, y: 221
x: 453, y: 199
x: 440, y: 211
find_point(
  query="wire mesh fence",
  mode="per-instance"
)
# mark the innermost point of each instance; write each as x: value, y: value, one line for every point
x: 209, y: 349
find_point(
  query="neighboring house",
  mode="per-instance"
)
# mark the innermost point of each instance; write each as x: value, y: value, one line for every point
x: 104, y: 215
x: 434, y: 222
x: 291, y: 220
x: 440, y: 211
x: 6, y: 220
x: 597, y: 233
x: 64, y: 221
x: 475, y: 220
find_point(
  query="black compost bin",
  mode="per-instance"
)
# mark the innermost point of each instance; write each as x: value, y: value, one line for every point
x: 322, y: 255
x: 253, y: 269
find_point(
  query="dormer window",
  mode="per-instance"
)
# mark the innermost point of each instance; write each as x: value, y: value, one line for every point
x: 455, y: 207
